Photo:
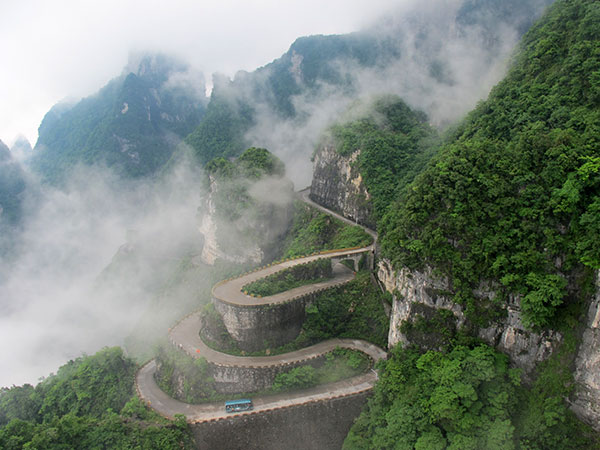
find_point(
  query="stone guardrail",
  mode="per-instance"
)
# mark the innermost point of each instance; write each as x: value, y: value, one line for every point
x: 299, y: 361
x: 279, y: 408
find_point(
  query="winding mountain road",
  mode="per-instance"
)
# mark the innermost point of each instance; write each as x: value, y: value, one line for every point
x: 185, y: 335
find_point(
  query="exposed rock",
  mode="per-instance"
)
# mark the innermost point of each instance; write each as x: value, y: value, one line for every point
x: 338, y: 185
x: 586, y: 401
x: 414, y: 288
x: 208, y: 227
x: 255, y: 235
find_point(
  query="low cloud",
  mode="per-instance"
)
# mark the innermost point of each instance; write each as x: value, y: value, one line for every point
x: 445, y: 58
x: 54, y: 304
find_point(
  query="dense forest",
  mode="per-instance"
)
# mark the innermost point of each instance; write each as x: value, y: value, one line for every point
x: 393, y: 143
x: 513, y: 195
x: 89, y: 403
x: 510, y: 196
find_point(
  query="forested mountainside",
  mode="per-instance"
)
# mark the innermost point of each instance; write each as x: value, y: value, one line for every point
x: 317, y: 68
x: 310, y: 63
x: 365, y: 160
x: 89, y: 403
x: 513, y: 195
x: 503, y: 208
x: 248, y: 209
x: 510, y: 200
x: 133, y: 124
x: 12, y: 187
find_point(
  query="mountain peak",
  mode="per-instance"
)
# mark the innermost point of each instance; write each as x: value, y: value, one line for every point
x: 153, y: 66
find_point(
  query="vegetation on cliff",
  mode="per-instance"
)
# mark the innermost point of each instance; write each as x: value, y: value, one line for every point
x: 513, y: 196
x: 89, y: 403
x: 466, y: 397
x: 314, y: 231
x: 354, y: 310
x: 286, y: 279
x: 339, y: 364
x: 394, y: 143
x: 250, y: 203
x: 183, y: 377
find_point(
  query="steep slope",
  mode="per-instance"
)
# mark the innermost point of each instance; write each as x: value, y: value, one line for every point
x: 361, y: 164
x: 500, y: 233
x: 12, y: 187
x: 248, y: 209
x: 420, y: 55
x: 132, y: 124
x: 305, y: 67
x: 514, y: 196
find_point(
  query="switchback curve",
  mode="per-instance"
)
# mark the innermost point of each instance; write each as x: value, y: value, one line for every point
x: 185, y: 335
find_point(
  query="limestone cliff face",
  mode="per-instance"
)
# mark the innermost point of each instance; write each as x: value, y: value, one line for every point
x: 416, y: 291
x: 254, y: 235
x: 211, y: 251
x: 586, y: 401
x: 338, y: 185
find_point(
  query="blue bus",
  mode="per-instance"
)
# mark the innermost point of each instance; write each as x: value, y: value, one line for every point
x: 238, y: 405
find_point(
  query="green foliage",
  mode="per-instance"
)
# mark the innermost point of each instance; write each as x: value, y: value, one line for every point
x: 544, y: 420
x: 353, y: 310
x: 461, y: 399
x: 339, y: 364
x: 253, y: 164
x: 314, y: 231
x: 468, y: 398
x: 394, y: 142
x: 233, y: 104
x: 342, y: 363
x: 430, y: 328
x: 256, y: 163
x: 302, y: 377
x: 128, y: 125
x: 245, y: 218
x: 512, y: 196
x: 221, y: 130
x: 293, y: 277
x: 176, y: 369
x: 77, y: 408
x: 112, y: 431
x: 89, y: 386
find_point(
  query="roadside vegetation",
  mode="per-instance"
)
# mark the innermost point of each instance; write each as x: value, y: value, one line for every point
x: 467, y: 397
x: 187, y: 379
x: 354, y: 310
x: 293, y: 277
x: 313, y: 231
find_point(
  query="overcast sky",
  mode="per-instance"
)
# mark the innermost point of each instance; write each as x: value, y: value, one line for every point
x: 51, y: 50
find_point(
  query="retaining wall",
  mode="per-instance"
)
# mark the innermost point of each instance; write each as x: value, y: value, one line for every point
x: 259, y: 327
x: 312, y: 426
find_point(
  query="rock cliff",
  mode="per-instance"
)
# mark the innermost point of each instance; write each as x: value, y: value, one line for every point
x: 261, y: 220
x: 338, y: 185
x: 423, y: 293
x: 211, y: 251
x: 586, y: 401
